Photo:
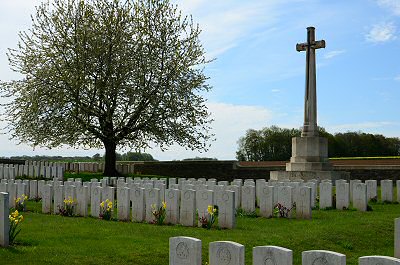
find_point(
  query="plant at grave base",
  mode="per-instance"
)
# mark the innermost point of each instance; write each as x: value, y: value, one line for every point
x: 15, y: 220
x: 282, y: 211
x: 68, y: 208
x: 20, y: 203
x: 243, y: 213
x: 105, y: 209
x: 374, y: 199
x: 211, y: 217
x: 159, y: 214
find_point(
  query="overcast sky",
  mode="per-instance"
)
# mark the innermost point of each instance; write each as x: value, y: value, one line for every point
x: 258, y: 77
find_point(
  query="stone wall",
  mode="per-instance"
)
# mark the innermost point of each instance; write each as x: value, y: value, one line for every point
x: 229, y: 170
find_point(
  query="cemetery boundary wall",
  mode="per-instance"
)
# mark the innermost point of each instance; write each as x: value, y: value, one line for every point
x: 229, y: 170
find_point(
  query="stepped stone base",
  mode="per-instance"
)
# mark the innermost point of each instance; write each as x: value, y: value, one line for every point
x: 308, y: 175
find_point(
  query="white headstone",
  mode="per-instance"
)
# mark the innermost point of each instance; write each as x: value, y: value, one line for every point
x: 387, y: 190
x: 248, y: 199
x: 272, y: 255
x: 285, y: 196
x: 267, y: 201
x: 172, y: 199
x: 95, y: 200
x: 41, y: 184
x: 138, y: 204
x: 398, y: 190
x: 397, y: 238
x: 124, y: 208
x: 47, y: 196
x: 184, y: 251
x: 58, y: 198
x: 352, y: 182
x: 313, y: 187
x: 204, y: 198
x: 303, y: 205
x: 12, y: 193
x: 325, y: 195
x: 236, y: 189
x: 371, y: 189
x: 314, y: 257
x: 187, y: 215
x: 152, y: 200
x: 82, y: 200
x: 226, y: 209
x: 360, y: 196
x: 33, y: 189
x: 378, y: 260
x: 342, y: 196
x: 108, y: 193
x: 226, y: 252
x: 4, y: 221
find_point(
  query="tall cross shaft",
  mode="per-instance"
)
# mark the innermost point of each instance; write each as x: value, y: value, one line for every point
x: 310, y: 127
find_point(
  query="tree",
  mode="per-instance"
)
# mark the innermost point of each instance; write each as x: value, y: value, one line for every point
x: 270, y: 143
x: 108, y: 73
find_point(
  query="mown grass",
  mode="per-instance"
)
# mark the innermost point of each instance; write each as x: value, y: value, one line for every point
x: 52, y: 239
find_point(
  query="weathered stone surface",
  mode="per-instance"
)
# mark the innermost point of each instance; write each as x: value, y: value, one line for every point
x: 325, y: 195
x: 248, y: 198
x: 108, y: 193
x: 58, y: 198
x: 342, y: 196
x: 187, y: 215
x: 266, y: 201
x: 272, y: 255
x: 172, y: 199
x: 152, y: 200
x: 82, y: 200
x: 313, y: 187
x: 124, y: 208
x: 387, y: 190
x: 4, y: 221
x: 360, y: 196
x: 95, y: 200
x: 378, y: 260
x: 33, y: 189
x: 138, y: 204
x: 371, y: 189
x: 303, y: 204
x: 317, y: 257
x: 12, y: 193
x: 47, y: 196
x: 226, y: 253
x: 352, y: 183
x: 397, y: 238
x: 237, y: 190
x: 226, y: 209
x: 204, y: 198
x: 184, y: 251
x: 285, y: 196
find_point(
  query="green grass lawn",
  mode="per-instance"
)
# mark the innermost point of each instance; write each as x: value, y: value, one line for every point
x: 52, y: 239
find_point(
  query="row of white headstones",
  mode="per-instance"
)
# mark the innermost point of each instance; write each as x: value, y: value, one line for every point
x: 48, y: 171
x: 187, y: 196
x: 187, y: 250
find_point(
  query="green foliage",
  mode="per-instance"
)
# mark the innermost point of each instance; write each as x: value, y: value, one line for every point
x: 270, y: 143
x: 136, y: 156
x: 274, y: 143
x: 145, y: 244
x: 101, y: 73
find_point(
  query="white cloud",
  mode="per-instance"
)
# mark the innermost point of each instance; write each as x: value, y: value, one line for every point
x: 392, y: 5
x: 382, y: 32
x: 275, y: 90
x: 332, y: 54
x: 397, y: 78
x: 230, y: 123
x: 226, y: 23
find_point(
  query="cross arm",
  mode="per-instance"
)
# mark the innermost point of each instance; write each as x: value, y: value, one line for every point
x: 301, y: 47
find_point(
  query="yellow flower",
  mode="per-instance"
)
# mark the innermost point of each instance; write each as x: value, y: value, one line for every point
x: 102, y: 204
x: 15, y: 213
x: 164, y: 205
x: 17, y: 200
x: 210, y: 209
x: 21, y: 218
x: 16, y: 222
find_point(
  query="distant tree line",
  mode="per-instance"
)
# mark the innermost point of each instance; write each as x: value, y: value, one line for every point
x: 275, y: 144
x: 129, y: 156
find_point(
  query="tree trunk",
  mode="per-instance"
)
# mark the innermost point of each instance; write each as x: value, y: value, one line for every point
x: 110, y: 160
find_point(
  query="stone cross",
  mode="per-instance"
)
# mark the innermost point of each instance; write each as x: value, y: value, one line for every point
x: 310, y: 127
